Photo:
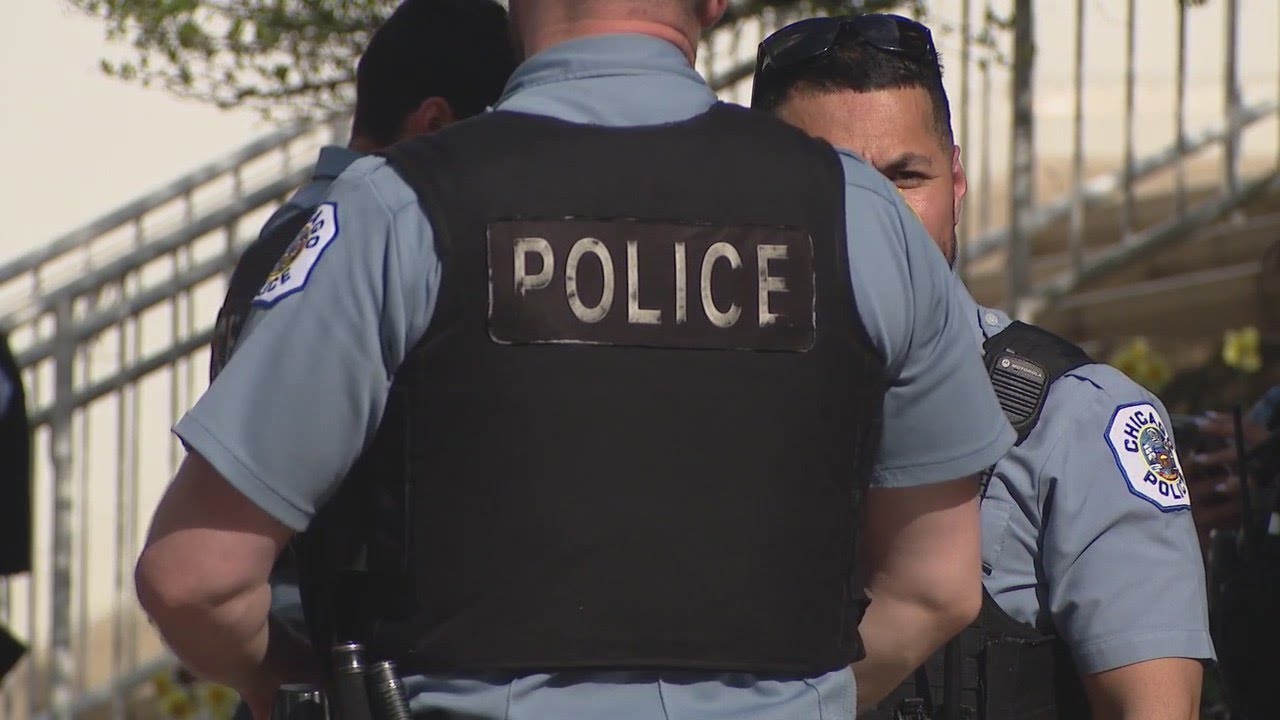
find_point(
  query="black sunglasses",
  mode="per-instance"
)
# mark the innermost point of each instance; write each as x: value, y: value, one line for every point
x: 810, y: 39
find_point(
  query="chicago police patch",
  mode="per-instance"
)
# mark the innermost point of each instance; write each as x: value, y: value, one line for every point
x: 1145, y: 454
x: 294, y: 267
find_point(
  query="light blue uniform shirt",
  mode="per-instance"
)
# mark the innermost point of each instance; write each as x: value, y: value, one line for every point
x: 331, y: 163
x: 286, y: 421
x: 1074, y: 541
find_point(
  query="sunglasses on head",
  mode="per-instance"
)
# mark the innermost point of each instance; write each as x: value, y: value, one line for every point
x: 810, y: 39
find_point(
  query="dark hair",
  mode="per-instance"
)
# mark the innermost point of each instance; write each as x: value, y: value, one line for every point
x: 459, y: 50
x: 857, y: 66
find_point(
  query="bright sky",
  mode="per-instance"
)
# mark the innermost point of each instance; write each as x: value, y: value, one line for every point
x: 78, y: 144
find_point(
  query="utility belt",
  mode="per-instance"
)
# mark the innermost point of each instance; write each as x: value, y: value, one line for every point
x: 357, y: 691
x: 996, y: 668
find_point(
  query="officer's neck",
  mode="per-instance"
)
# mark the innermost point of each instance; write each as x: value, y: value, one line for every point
x: 550, y: 34
x: 361, y: 144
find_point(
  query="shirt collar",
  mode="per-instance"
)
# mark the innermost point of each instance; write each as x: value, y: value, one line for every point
x: 333, y: 160
x: 602, y: 56
x: 987, y: 322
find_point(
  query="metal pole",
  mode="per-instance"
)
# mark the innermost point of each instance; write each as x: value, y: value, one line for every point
x: 1180, y: 117
x: 966, y: 228
x: 1022, y: 161
x: 124, y: 514
x: 1231, y: 148
x: 984, y: 190
x: 1077, y: 149
x: 33, y: 675
x: 80, y: 587
x: 135, y: 478
x: 1126, y: 208
x: 62, y: 663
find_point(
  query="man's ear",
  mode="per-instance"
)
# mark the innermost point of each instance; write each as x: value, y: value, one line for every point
x: 959, y: 183
x: 433, y: 115
x: 710, y: 11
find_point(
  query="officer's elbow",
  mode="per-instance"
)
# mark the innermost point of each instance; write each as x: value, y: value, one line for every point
x: 173, y: 588
x: 964, y: 604
x: 951, y: 601
x: 161, y: 592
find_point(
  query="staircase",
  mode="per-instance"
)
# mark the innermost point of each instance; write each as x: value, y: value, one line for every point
x: 1185, y: 271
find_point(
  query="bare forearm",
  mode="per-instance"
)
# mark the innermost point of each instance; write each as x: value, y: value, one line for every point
x: 922, y: 566
x: 224, y: 642
x: 235, y: 643
x: 1164, y: 689
x: 1146, y: 707
x: 899, y: 637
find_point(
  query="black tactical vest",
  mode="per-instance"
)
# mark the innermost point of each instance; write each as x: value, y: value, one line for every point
x: 639, y: 428
x: 999, y: 668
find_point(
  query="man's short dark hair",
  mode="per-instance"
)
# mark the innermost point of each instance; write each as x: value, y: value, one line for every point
x: 459, y: 50
x: 857, y: 66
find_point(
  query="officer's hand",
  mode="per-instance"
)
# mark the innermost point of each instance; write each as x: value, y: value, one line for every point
x: 261, y: 701
x: 1222, y: 425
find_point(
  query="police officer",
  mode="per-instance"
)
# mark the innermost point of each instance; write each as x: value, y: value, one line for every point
x: 615, y: 371
x: 1212, y: 471
x: 1244, y: 550
x: 431, y: 63
x: 1090, y: 561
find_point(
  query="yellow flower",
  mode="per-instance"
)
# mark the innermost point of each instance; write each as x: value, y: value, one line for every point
x: 178, y: 705
x: 163, y: 683
x: 220, y: 701
x: 1242, y: 349
x: 1137, y: 360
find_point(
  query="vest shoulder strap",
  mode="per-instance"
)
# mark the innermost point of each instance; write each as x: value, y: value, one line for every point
x: 250, y: 274
x: 1023, y: 361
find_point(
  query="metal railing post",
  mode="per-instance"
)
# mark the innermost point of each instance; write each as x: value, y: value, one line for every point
x: 1022, y: 152
x: 1180, y: 116
x: 62, y: 657
x: 1076, y: 241
x: 1231, y: 102
x: 1130, y: 80
x: 966, y: 44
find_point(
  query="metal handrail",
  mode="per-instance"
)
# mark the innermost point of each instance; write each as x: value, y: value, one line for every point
x: 1161, y: 235
x: 138, y: 257
x: 66, y: 312
x: 1104, y: 185
x: 170, y: 192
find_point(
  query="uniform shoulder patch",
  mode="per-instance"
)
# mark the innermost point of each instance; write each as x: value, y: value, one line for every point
x: 1145, y: 453
x: 294, y: 267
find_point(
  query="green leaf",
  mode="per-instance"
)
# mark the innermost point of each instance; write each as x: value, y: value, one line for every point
x: 190, y: 36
